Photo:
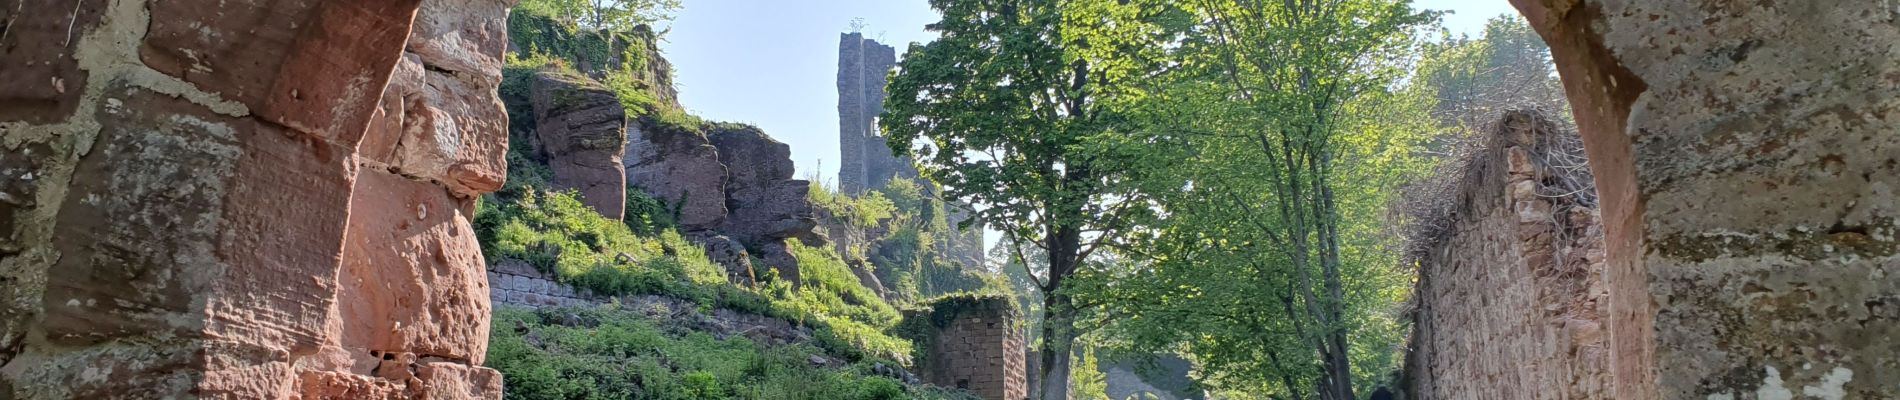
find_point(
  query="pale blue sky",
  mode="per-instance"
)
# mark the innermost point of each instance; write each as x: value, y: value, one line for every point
x: 773, y: 63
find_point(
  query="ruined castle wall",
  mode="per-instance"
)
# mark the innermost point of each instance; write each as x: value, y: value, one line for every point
x: 863, y: 67
x: 978, y: 349
x: 1510, y: 296
x: 1745, y: 156
x: 213, y: 198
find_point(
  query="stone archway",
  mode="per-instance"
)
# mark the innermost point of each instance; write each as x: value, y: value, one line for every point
x: 1747, y: 155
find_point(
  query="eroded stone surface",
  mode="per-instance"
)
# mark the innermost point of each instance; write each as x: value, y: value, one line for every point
x: 679, y: 166
x: 410, y: 267
x: 439, y: 116
x: 179, y: 192
x: 767, y: 206
x: 583, y: 131
x: 1510, y: 300
x: 1744, y: 152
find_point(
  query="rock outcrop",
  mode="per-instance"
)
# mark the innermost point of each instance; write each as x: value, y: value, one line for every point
x: 767, y: 206
x: 246, y: 199
x: 1510, y: 298
x: 582, y: 132
x: 1745, y: 157
x: 678, y: 165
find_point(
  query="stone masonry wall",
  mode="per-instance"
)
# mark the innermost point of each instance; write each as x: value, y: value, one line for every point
x: 867, y: 163
x: 979, y: 350
x: 1746, y: 157
x: 246, y: 199
x: 1510, y: 297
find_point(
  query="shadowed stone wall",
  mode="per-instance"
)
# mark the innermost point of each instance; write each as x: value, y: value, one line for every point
x: 1746, y: 157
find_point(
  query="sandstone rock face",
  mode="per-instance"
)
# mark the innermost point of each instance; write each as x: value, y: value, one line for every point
x: 728, y: 253
x: 1510, y: 299
x: 1744, y: 153
x: 767, y: 206
x: 583, y: 130
x: 440, y: 115
x: 191, y: 205
x: 680, y: 166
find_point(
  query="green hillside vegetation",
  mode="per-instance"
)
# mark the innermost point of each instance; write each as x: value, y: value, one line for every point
x: 905, y: 253
x: 619, y: 354
x: 607, y: 353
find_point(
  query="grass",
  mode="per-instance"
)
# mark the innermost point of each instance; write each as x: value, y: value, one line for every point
x: 567, y: 240
x: 607, y: 353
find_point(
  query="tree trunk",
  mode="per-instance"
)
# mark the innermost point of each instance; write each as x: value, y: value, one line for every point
x: 1058, y: 342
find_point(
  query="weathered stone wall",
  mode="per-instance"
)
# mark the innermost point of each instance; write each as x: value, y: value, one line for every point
x: 863, y: 67
x: 515, y: 283
x: 1509, y: 303
x: 243, y: 199
x: 1746, y: 157
x: 979, y: 349
x: 867, y: 162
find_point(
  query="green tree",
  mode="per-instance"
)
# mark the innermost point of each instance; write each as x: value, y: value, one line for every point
x: 1017, y: 111
x: 1473, y: 78
x: 1270, y: 268
x: 613, y: 15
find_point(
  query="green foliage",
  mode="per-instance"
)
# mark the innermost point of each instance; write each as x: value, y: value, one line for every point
x: 569, y: 241
x: 1019, y: 109
x: 603, y: 14
x: 1471, y: 79
x: 907, y: 255
x: 830, y: 290
x: 1270, y: 268
x: 863, y: 212
x: 648, y: 216
x: 616, y: 55
x: 566, y: 239
x: 1090, y: 382
x: 607, y: 353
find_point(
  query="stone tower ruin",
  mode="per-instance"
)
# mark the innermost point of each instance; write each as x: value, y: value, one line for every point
x: 863, y: 65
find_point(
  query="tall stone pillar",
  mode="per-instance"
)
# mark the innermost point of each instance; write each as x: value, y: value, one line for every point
x: 863, y: 67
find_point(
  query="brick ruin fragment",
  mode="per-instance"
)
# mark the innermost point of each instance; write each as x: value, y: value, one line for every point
x: 972, y: 344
